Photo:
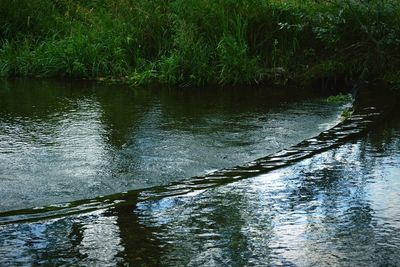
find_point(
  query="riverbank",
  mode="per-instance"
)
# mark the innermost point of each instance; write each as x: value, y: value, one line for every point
x: 199, y: 43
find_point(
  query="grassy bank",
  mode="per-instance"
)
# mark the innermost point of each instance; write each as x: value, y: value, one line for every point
x: 202, y: 42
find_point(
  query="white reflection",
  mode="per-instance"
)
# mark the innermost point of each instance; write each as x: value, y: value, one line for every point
x: 101, y: 241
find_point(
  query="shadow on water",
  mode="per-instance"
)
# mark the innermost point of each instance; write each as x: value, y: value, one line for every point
x: 332, y: 199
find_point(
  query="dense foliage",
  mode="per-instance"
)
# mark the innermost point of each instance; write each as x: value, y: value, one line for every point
x: 198, y: 42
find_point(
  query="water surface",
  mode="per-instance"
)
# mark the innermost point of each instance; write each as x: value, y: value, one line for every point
x: 65, y: 141
x: 333, y: 199
x: 338, y: 207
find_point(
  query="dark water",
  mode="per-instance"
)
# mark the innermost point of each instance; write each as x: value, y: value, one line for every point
x: 67, y: 141
x: 331, y: 200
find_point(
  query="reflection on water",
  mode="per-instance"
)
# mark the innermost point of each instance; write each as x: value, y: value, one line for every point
x: 340, y: 207
x: 337, y: 207
x: 67, y: 141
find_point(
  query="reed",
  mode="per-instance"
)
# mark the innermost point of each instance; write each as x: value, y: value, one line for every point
x: 202, y: 42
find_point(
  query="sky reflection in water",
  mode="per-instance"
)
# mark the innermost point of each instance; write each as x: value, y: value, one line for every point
x: 339, y: 207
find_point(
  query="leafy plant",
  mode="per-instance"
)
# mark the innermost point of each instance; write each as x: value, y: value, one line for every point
x: 199, y: 42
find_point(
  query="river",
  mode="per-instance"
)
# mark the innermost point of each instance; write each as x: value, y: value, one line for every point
x: 105, y: 175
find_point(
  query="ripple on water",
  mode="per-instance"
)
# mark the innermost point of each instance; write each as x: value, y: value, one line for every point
x: 62, y: 143
x: 335, y: 207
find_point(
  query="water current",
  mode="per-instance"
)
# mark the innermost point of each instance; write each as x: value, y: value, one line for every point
x: 102, y: 175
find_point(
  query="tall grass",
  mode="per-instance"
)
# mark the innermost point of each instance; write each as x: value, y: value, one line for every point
x: 198, y: 42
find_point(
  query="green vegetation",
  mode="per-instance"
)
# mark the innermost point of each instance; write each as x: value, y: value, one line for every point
x: 199, y: 42
x: 340, y: 98
x: 347, y: 113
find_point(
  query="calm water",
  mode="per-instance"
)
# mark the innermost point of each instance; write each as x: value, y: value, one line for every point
x: 331, y: 200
